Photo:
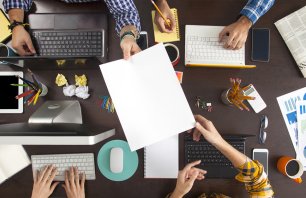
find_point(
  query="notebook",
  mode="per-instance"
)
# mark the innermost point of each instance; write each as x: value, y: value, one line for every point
x: 166, y: 37
x: 4, y: 23
x: 13, y: 159
x: 161, y: 159
x: 292, y: 28
x: 202, y: 48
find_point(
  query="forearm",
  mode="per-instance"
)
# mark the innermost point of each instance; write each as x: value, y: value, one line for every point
x: 253, y: 10
x: 237, y: 158
x: 16, y: 14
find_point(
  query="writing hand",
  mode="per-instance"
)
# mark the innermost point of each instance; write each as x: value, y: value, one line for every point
x: 160, y: 22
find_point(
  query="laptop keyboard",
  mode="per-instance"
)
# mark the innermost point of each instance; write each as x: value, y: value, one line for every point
x: 69, y: 43
x: 207, y: 153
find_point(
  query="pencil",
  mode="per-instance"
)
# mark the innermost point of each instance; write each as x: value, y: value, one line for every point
x: 28, y: 83
x: 20, y: 85
x: 36, y: 97
x: 158, y: 10
x: 24, y: 94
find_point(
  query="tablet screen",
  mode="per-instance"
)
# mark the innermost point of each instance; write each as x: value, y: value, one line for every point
x: 8, y: 102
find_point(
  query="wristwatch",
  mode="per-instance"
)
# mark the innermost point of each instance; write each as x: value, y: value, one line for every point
x: 15, y: 24
x: 131, y: 33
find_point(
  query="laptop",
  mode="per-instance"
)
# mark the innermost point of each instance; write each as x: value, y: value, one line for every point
x: 212, y: 160
x: 202, y: 48
x: 66, y: 35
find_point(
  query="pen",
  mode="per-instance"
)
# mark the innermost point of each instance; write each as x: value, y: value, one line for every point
x: 158, y: 10
x: 221, y: 66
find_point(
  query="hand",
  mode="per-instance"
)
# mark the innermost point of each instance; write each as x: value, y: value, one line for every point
x: 186, y: 178
x: 237, y: 33
x: 129, y: 47
x: 207, y: 129
x: 42, y: 187
x: 160, y: 22
x: 74, y: 185
x: 21, y: 41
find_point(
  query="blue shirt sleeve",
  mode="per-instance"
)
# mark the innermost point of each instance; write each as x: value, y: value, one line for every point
x: 124, y: 12
x: 21, y: 4
x: 254, y: 9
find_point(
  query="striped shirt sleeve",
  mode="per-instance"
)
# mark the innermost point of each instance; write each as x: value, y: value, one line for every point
x: 255, y: 9
x: 256, y: 181
x: 124, y: 12
x: 21, y: 4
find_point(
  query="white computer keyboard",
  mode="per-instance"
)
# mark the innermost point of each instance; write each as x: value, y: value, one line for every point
x: 84, y: 161
x: 210, y: 50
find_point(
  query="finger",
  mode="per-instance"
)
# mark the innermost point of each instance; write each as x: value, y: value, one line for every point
x: 47, y: 173
x: 230, y: 39
x: 173, y: 22
x: 53, y: 187
x: 190, y: 165
x: 196, y: 135
x: 235, y: 42
x: 20, y: 50
x: 53, y: 174
x: 222, y: 34
x: 67, y: 185
x: 161, y: 24
x: 201, y: 129
x: 35, y: 176
x: 83, y: 180
x: 42, y: 173
x: 126, y: 51
x: 135, y: 48
x: 77, y: 178
x: 71, y: 177
x: 192, y: 178
x: 239, y: 45
x: 30, y: 45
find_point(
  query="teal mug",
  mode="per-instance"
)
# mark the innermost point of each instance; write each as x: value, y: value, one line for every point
x: 6, y: 51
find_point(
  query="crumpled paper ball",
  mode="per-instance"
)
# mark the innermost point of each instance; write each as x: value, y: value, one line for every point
x: 69, y: 90
x: 60, y: 80
x: 82, y: 92
x: 80, y: 80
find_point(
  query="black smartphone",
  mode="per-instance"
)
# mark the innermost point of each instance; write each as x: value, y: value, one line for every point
x: 143, y: 40
x: 260, y: 44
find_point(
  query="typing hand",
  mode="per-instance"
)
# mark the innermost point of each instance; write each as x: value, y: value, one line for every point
x: 21, y: 41
x: 42, y: 187
x: 160, y: 22
x: 129, y: 47
x: 237, y: 33
x: 207, y: 129
x: 186, y: 178
x: 74, y: 185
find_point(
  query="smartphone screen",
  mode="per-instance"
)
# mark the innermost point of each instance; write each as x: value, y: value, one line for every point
x: 142, y: 42
x: 260, y: 44
x: 261, y: 155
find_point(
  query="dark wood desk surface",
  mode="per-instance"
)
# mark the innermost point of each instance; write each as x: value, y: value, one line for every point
x: 277, y: 77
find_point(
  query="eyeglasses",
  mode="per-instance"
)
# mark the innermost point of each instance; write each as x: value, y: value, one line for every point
x: 263, y: 125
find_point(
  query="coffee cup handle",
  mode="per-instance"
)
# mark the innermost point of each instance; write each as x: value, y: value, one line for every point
x: 298, y: 180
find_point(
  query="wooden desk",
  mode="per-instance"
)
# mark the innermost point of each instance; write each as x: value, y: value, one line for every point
x: 277, y: 77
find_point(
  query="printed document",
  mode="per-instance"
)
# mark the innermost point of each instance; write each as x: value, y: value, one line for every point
x: 293, y: 30
x: 148, y: 97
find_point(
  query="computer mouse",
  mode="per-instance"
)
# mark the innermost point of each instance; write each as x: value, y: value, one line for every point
x: 116, y: 160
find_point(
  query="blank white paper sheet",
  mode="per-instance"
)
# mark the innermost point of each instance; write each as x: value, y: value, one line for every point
x: 148, y: 97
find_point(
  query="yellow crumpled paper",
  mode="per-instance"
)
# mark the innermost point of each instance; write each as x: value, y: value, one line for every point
x: 60, y: 80
x: 80, y: 80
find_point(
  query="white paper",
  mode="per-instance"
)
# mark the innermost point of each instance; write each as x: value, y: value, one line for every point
x: 161, y: 159
x: 148, y: 97
x: 13, y: 158
x: 301, y: 122
x: 287, y: 104
x: 293, y: 30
